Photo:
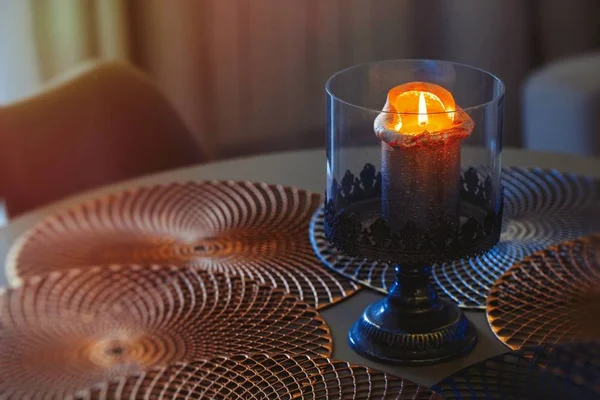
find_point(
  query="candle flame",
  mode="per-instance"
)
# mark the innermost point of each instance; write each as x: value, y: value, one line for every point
x: 423, y: 119
x: 421, y: 113
x: 420, y: 107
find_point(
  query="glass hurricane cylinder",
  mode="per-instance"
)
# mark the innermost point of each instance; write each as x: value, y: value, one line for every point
x: 413, y: 179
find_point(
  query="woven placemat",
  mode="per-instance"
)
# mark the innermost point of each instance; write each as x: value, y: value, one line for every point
x: 260, y: 376
x: 70, y: 329
x: 550, y: 297
x: 550, y: 373
x: 253, y: 230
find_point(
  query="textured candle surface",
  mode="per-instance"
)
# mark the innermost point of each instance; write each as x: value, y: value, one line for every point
x: 421, y: 130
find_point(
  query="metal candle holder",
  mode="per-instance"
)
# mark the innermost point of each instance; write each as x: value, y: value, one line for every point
x: 400, y: 193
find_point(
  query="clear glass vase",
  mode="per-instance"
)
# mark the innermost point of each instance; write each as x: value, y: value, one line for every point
x: 413, y: 179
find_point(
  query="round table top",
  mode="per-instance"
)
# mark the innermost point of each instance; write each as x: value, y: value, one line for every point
x: 306, y: 170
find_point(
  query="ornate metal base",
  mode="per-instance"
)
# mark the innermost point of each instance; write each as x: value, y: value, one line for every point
x: 412, y: 326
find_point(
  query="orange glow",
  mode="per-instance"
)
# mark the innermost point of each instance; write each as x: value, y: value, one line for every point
x: 421, y: 107
x: 423, y: 118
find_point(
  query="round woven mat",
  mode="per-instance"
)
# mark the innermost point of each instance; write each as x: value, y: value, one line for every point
x: 71, y: 329
x: 261, y: 376
x: 541, y: 208
x: 253, y: 230
x: 550, y: 373
x: 550, y: 297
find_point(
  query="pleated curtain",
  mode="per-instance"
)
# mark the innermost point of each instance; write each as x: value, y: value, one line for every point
x: 248, y: 76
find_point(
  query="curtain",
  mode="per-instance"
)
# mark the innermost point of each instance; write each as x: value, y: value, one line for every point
x: 41, y: 39
x: 18, y: 71
x: 67, y: 32
x: 248, y: 76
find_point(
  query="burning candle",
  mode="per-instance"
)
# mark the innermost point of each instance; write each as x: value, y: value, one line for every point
x: 421, y: 129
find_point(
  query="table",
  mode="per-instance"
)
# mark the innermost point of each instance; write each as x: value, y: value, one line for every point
x: 306, y: 170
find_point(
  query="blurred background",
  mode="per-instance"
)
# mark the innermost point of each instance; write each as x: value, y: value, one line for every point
x: 247, y: 76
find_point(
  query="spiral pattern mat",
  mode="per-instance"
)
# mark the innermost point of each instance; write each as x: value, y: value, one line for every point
x: 541, y: 208
x: 551, y: 373
x: 253, y: 230
x: 71, y: 329
x: 550, y: 297
x: 260, y: 376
